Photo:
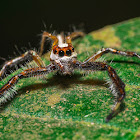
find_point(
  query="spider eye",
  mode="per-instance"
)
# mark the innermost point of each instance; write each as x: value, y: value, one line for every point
x: 68, y: 52
x: 55, y: 51
x: 61, y: 53
x: 73, y: 49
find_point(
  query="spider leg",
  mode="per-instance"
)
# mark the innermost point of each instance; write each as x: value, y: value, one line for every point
x: 55, y: 39
x: 73, y: 35
x: 118, y: 86
x: 110, y: 50
x: 6, y: 94
x: 44, y: 35
x: 29, y: 55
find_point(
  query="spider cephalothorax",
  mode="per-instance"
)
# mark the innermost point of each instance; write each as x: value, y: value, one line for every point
x: 64, y: 56
x: 63, y: 59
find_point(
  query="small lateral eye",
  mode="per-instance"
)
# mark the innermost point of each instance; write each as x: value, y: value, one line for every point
x: 68, y: 52
x: 73, y: 49
x: 55, y: 51
x: 61, y: 53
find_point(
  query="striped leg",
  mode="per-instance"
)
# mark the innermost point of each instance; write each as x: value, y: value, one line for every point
x: 110, y: 50
x: 73, y: 35
x: 55, y: 39
x: 44, y: 35
x: 30, y: 55
x: 117, y: 84
x: 5, y: 91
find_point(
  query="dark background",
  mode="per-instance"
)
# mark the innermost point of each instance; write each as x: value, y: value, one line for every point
x: 22, y: 22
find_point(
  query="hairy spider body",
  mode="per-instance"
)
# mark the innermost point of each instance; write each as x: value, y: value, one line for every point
x: 64, y: 60
x: 63, y: 57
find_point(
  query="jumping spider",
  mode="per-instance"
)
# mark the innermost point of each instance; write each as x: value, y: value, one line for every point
x: 63, y: 59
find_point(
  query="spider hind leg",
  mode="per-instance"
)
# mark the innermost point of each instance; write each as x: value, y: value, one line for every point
x: 118, y: 85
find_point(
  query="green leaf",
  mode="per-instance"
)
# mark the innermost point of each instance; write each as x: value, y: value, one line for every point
x: 75, y: 107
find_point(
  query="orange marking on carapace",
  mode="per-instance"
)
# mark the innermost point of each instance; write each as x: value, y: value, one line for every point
x: 56, y: 49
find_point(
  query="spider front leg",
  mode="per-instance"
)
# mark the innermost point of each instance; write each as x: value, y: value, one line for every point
x: 55, y: 39
x: 110, y: 50
x: 29, y: 55
x: 7, y: 91
x: 73, y: 35
x: 118, y: 85
x: 44, y: 35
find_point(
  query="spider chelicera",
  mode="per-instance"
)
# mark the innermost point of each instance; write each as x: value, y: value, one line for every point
x: 63, y: 59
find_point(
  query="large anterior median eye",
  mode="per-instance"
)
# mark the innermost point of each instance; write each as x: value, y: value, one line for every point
x: 68, y: 52
x: 61, y: 53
